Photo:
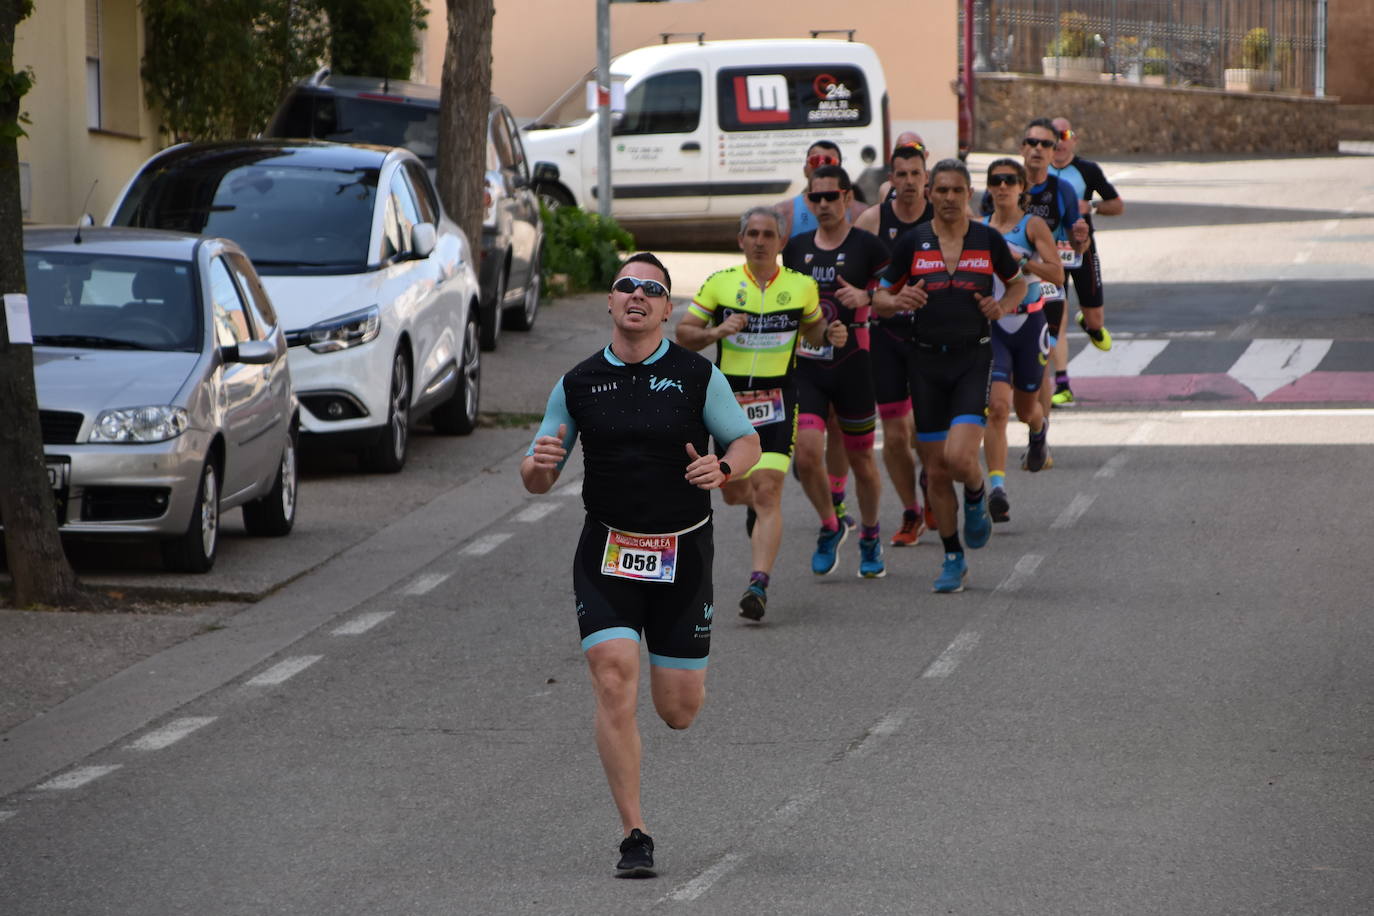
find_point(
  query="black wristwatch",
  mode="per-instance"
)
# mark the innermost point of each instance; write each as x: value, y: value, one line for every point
x: 725, y: 469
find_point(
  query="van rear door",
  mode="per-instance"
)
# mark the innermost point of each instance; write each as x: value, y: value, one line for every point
x: 660, y: 147
x: 770, y: 114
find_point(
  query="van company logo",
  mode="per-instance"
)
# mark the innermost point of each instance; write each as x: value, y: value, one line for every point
x: 663, y: 384
x: 762, y: 98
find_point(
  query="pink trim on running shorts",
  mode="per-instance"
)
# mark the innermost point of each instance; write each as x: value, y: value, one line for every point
x: 895, y: 409
x: 811, y: 421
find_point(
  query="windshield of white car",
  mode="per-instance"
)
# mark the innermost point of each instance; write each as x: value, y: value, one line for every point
x: 98, y: 301
x: 348, y: 119
x: 288, y: 218
x: 569, y: 110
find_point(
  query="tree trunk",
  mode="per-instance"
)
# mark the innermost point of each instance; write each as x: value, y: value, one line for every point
x: 39, y: 568
x: 466, y: 93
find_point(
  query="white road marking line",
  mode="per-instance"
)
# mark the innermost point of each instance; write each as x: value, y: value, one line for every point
x: 954, y: 653
x: 537, y: 511
x: 426, y: 583
x: 283, y: 670
x: 1113, y: 465
x: 486, y: 545
x: 77, y: 778
x: 1281, y: 412
x: 1074, y: 511
x: 170, y: 733
x: 1141, y: 434
x: 883, y: 728
x: 1024, y: 569
x: 1243, y: 330
x: 796, y: 806
x: 1268, y: 365
x: 571, y: 488
x: 362, y: 623
x: 702, y: 882
x: 1129, y: 358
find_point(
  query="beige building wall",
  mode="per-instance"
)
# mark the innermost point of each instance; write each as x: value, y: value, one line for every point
x: 539, y: 47
x: 62, y: 156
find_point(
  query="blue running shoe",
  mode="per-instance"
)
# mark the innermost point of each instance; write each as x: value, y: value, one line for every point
x: 952, y: 574
x: 827, y: 550
x: 871, y: 558
x: 977, y: 523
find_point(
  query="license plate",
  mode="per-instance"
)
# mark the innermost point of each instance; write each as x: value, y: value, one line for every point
x: 59, y: 475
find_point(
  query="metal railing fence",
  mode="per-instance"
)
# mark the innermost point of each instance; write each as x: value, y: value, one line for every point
x: 1177, y: 42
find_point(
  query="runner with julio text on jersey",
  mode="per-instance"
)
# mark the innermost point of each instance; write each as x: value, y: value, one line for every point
x: 644, y: 409
x: 845, y: 263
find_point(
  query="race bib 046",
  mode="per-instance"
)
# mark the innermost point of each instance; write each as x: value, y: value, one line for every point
x: 644, y: 558
x: 763, y: 406
x: 1067, y: 256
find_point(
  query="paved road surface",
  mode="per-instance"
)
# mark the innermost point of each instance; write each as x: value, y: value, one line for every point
x: 1155, y: 697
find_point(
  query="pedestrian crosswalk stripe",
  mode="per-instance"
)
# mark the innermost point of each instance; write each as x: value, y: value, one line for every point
x: 1126, y: 357
x: 1268, y: 365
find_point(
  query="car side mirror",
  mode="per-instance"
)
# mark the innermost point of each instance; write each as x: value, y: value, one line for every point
x: 545, y: 173
x: 250, y: 352
x: 423, y: 238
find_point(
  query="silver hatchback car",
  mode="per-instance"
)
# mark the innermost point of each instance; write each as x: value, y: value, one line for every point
x: 163, y: 388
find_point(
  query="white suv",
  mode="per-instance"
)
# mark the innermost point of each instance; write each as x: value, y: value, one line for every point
x: 375, y: 286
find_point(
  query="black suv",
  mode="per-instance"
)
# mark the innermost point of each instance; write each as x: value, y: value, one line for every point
x: 354, y: 109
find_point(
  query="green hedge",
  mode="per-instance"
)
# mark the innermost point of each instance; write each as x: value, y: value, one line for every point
x: 581, y: 247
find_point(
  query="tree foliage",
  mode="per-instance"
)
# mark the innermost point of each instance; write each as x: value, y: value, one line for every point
x: 216, y: 69
x: 374, y: 37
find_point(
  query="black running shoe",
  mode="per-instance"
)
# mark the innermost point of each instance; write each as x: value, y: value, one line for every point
x: 754, y: 601
x: 636, y: 856
x: 998, y: 505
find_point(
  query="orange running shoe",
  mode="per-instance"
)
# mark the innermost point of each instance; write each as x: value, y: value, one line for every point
x: 913, y: 526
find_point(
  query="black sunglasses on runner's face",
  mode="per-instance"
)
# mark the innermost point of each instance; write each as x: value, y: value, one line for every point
x: 652, y: 288
x: 817, y: 196
x: 1032, y: 141
x: 1006, y: 178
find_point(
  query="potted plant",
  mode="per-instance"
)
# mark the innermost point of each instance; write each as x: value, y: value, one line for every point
x: 1126, y: 58
x: 1256, y: 71
x: 1072, y: 53
x: 1155, y: 67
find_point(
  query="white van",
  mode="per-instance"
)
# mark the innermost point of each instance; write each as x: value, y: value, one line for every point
x: 711, y: 128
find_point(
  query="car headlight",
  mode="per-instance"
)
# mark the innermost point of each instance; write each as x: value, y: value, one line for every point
x: 352, y: 330
x: 138, y: 425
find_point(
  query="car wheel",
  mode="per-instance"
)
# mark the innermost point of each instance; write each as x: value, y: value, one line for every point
x: 388, y: 454
x: 522, y: 319
x: 194, y: 550
x: 458, y: 415
x: 491, y: 315
x: 274, y: 515
x: 553, y: 197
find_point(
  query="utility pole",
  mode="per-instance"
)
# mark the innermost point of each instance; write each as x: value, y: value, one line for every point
x: 603, y: 107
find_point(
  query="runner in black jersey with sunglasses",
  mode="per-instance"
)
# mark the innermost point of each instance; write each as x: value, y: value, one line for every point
x: 845, y: 263
x: 892, y: 350
x: 953, y: 365
x: 644, y: 408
